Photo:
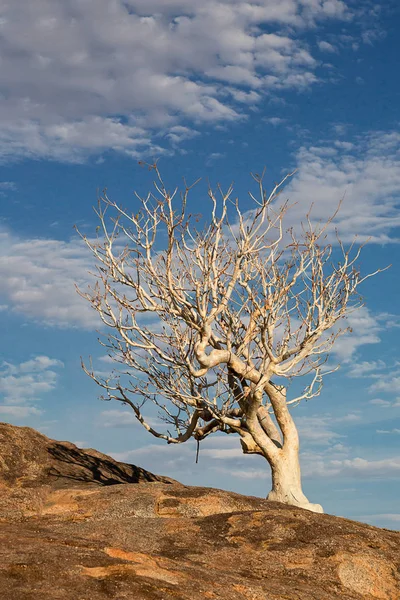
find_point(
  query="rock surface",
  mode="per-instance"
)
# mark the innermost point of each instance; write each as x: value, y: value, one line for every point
x: 77, y: 525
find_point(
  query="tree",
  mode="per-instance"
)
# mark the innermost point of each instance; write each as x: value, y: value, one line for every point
x: 212, y: 325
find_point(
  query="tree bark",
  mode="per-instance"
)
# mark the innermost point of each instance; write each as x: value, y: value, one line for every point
x: 286, y: 481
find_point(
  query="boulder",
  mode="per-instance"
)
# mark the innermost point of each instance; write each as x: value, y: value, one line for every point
x: 75, y: 524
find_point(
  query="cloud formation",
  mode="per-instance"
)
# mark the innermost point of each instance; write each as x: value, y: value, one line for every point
x: 38, y: 280
x: 365, y: 330
x: 22, y: 385
x: 363, y: 172
x: 366, y: 369
x: 121, y: 418
x: 82, y: 77
x: 389, y: 431
x: 19, y: 412
x: 358, y: 468
x: 389, y: 384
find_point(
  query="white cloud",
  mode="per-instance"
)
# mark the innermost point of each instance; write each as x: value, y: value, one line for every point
x: 23, y: 384
x: 380, y: 402
x: 257, y: 474
x: 241, y: 96
x: 383, y: 516
x: 72, y: 141
x: 319, y: 430
x: 380, y: 520
x: 224, y: 453
x: 217, y: 446
x: 372, y: 35
x: 161, y: 458
x: 385, y: 403
x: 386, y: 467
x: 326, y: 47
x: 390, y: 321
x: 34, y: 365
x: 366, y: 177
x: 149, y: 450
x: 349, y: 418
x: 388, y: 431
x: 358, y: 468
x: 287, y: 12
x: 38, y: 279
x: 69, y: 68
x: 179, y: 133
x: 117, y: 418
x: 364, y: 330
x: 316, y: 430
x: 106, y: 359
x: 126, y: 418
x: 8, y: 186
x: 15, y: 388
x: 19, y: 412
x: 213, y: 157
x: 81, y: 443
x: 387, y: 384
x: 274, y: 121
x: 342, y: 145
x: 365, y: 368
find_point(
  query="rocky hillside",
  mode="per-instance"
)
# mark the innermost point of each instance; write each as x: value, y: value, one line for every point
x: 77, y: 525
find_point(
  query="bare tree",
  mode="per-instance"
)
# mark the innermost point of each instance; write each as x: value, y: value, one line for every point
x: 212, y: 325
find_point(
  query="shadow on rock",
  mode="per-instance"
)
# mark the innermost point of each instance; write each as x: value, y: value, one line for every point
x: 70, y: 463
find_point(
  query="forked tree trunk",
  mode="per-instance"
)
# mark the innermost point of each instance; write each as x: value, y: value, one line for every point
x: 286, y: 481
x: 281, y: 448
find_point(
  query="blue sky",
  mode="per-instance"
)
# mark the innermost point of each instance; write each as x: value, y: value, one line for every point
x: 216, y: 89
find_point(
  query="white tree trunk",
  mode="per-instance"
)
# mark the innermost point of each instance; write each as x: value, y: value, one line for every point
x: 286, y: 481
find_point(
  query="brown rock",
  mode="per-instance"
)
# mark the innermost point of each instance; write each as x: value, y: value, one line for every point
x: 74, y: 526
x: 30, y: 459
